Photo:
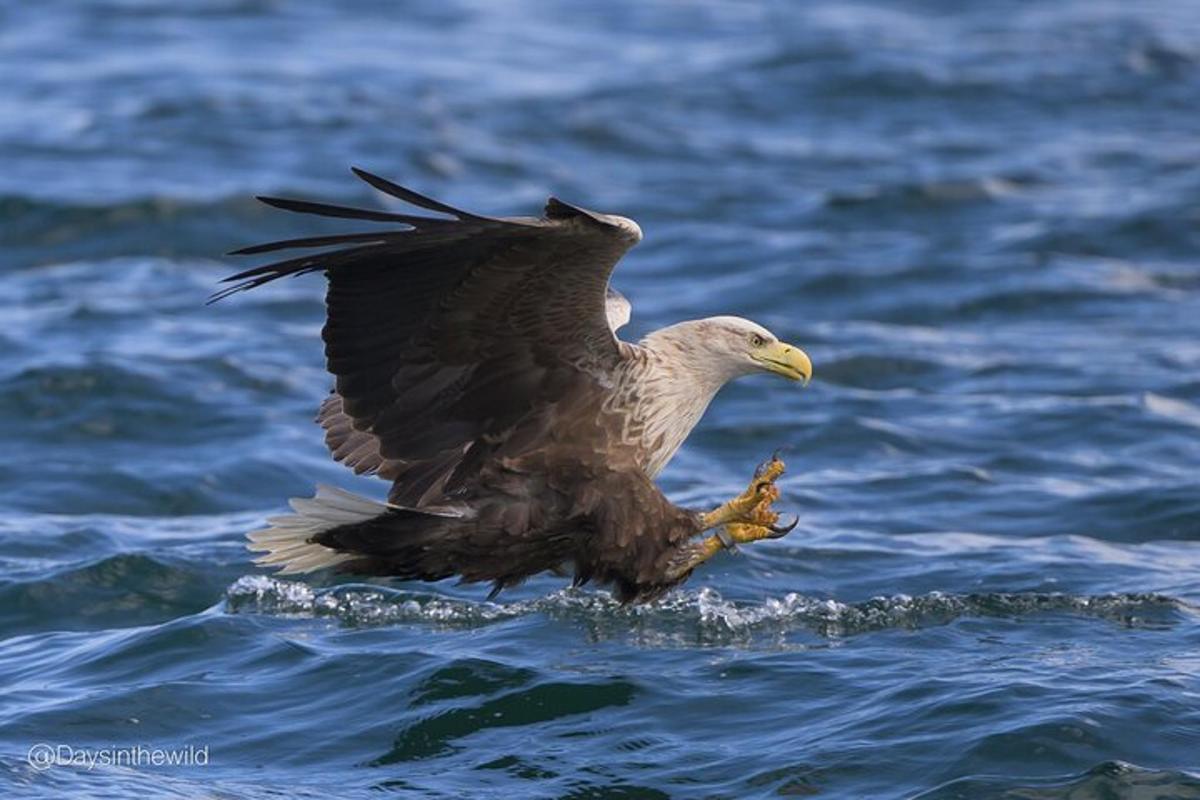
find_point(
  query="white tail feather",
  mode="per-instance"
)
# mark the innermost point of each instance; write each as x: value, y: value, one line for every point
x: 286, y: 543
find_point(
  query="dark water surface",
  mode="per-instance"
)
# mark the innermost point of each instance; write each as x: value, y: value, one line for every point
x: 982, y: 224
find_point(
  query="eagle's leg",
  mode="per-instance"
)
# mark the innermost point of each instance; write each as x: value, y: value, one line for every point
x: 746, y: 518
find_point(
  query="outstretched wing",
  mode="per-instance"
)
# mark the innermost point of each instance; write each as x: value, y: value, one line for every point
x: 360, y: 449
x: 450, y: 330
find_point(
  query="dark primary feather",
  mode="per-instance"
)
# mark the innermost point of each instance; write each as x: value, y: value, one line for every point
x: 375, y: 237
x: 409, y: 196
x: 342, y: 212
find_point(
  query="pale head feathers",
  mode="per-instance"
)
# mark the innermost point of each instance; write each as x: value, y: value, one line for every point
x: 717, y: 348
x: 685, y: 366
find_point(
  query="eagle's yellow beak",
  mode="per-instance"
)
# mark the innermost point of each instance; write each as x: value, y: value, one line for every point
x: 786, y: 360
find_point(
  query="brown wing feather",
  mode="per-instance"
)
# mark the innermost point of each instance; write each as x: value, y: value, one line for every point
x: 454, y: 332
x: 359, y: 449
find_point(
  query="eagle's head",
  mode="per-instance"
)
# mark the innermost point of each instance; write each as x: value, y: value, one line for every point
x: 733, y: 347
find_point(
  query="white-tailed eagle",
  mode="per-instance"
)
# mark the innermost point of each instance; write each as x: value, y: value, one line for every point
x: 478, y: 370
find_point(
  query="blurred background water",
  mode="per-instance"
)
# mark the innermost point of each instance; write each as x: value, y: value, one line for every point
x: 981, y: 221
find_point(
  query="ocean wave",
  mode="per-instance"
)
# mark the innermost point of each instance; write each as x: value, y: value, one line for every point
x: 120, y: 590
x: 1108, y: 779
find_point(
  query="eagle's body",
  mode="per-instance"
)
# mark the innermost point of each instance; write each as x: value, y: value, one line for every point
x: 479, y: 371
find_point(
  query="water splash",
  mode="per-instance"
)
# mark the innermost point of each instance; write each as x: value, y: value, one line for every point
x: 704, y: 612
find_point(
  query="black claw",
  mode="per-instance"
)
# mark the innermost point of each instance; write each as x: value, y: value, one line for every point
x: 764, y: 466
x: 780, y: 531
x: 726, y: 540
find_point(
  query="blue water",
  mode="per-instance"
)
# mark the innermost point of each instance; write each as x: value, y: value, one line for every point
x: 982, y: 223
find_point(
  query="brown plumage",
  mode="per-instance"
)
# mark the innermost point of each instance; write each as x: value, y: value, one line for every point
x: 478, y: 370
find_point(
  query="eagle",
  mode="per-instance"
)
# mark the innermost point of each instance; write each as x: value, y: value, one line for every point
x: 478, y: 370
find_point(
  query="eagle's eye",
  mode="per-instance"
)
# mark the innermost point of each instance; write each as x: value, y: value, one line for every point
x: 757, y: 340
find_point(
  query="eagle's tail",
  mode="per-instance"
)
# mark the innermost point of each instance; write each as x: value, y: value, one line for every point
x: 289, y: 541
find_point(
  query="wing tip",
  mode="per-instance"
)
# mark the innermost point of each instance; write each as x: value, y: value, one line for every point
x: 221, y: 294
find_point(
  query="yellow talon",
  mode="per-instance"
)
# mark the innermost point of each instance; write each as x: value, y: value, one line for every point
x: 744, y: 519
x: 752, y: 506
